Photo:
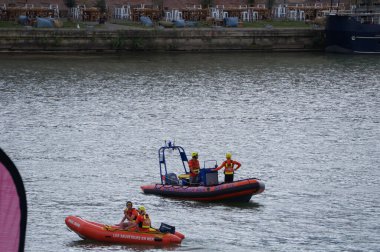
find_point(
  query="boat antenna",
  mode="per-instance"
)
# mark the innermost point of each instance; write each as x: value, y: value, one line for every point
x: 168, y: 143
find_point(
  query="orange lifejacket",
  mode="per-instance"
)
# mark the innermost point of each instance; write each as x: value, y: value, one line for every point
x: 144, y: 221
x: 130, y: 212
x: 229, y: 167
x: 194, y: 167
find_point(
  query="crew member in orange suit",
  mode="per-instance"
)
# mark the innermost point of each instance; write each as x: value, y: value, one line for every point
x: 143, y: 220
x: 194, y: 169
x: 228, y: 168
x: 131, y: 215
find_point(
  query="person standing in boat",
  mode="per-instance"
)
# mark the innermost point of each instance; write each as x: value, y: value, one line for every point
x: 228, y: 168
x: 131, y: 215
x: 194, y: 169
x: 143, y: 220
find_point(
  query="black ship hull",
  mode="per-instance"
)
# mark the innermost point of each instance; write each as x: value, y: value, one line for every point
x: 352, y: 34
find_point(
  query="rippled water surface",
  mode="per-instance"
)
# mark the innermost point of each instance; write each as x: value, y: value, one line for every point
x: 84, y: 132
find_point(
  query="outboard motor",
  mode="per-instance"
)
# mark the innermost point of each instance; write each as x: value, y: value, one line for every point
x: 165, y: 228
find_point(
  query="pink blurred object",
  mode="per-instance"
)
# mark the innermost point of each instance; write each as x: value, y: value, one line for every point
x: 12, y: 207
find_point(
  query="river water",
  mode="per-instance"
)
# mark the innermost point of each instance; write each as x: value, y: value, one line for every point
x: 84, y: 132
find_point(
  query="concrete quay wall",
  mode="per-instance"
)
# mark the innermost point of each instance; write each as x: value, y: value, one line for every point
x: 199, y: 39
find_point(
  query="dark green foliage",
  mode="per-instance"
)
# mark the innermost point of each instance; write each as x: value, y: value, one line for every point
x: 118, y: 43
x: 70, y: 3
x: 270, y: 4
x: 101, y: 4
x: 206, y: 3
x: 158, y: 3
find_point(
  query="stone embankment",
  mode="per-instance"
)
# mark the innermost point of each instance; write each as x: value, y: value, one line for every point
x: 91, y: 39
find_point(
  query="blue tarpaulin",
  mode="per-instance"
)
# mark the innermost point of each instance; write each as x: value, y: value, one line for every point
x: 146, y: 21
x: 179, y: 23
x: 191, y: 24
x: 23, y: 20
x: 231, y: 22
x: 44, y: 23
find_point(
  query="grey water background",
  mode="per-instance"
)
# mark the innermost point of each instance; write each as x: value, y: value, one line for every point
x: 84, y: 132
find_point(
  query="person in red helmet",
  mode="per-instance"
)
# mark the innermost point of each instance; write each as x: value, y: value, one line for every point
x: 194, y: 169
x: 131, y: 215
x: 228, y: 168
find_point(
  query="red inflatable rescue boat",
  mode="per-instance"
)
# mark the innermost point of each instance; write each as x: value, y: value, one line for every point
x: 107, y: 233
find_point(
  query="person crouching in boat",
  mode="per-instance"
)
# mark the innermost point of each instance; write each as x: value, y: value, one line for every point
x: 194, y: 169
x: 131, y: 215
x: 143, y: 220
x: 228, y: 168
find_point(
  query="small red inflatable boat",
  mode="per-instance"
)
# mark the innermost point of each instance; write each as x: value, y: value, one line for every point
x: 100, y: 232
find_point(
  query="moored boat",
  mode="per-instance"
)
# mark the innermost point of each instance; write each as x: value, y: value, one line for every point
x: 208, y: 190
x: 111, y: 233
x: 356, y: 31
